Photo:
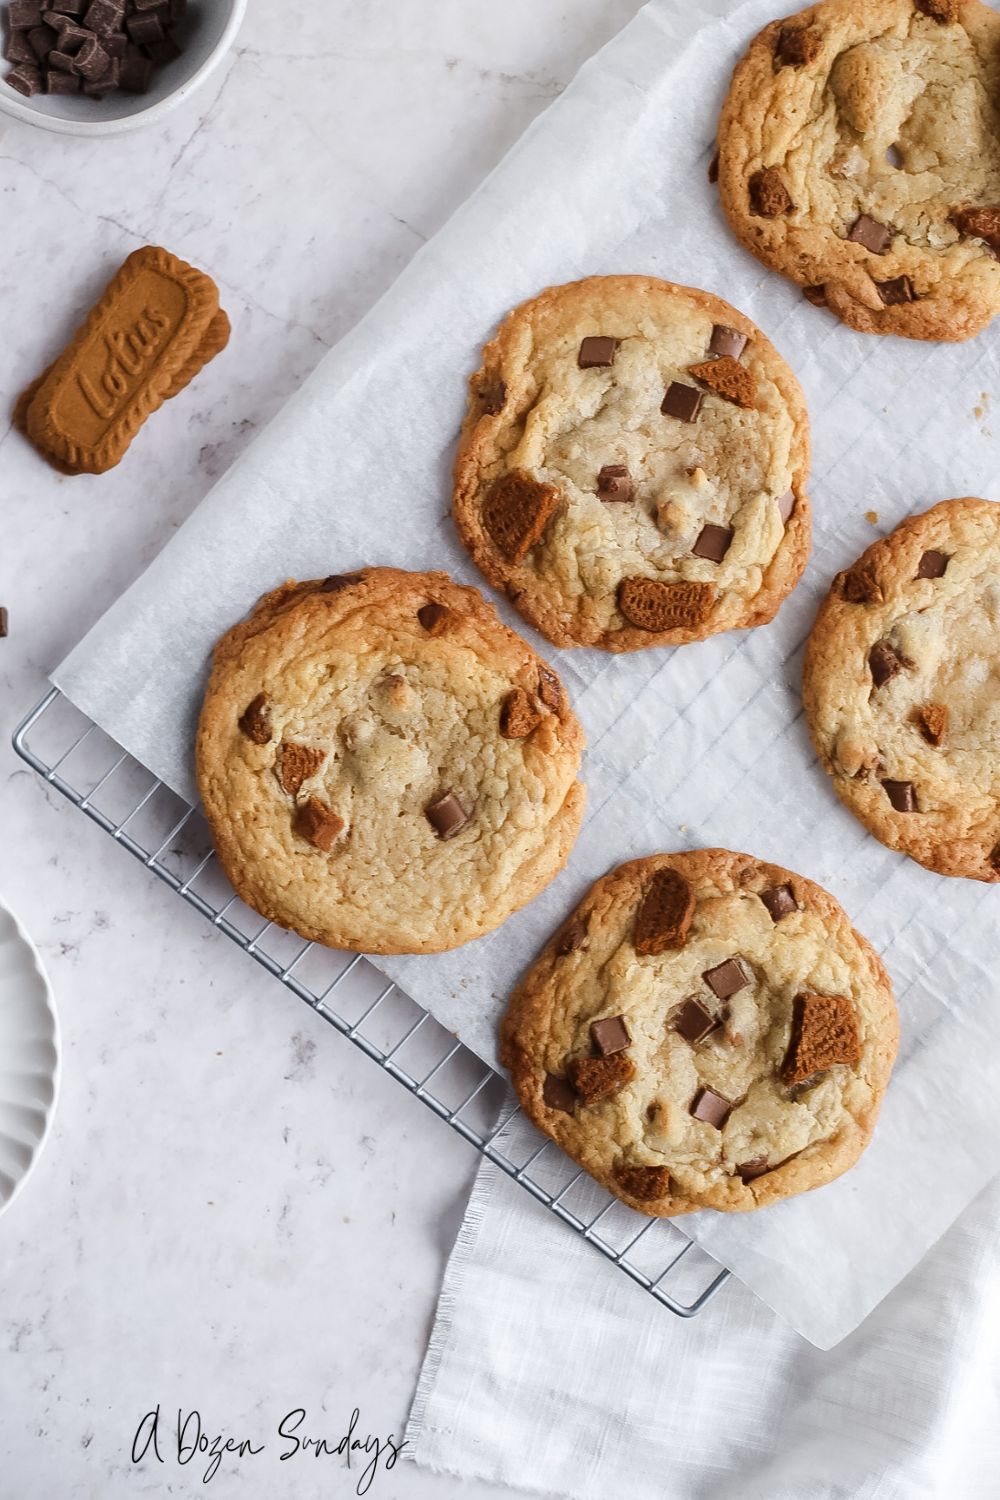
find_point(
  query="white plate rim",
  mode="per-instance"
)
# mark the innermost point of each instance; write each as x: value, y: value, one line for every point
x: 48, y: 1005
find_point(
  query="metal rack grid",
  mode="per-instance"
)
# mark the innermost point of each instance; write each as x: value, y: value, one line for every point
x: 172, y: 840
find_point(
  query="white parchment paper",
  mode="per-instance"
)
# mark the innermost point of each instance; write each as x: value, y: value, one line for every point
x: 702, y: 746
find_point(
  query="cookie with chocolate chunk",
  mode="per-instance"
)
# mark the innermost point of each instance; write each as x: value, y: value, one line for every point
x: 737, y: 1057
x: 859, y: 155
x: 902, y: 688
x: 633, y: 464
x: 385, y: 767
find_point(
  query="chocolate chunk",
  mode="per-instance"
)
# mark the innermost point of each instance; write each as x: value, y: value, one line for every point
x: 572, y: 937
x: 713, y: 542
x: 25, y: 79
x: 72, y: 38
x: 786, y: 504
x: 682, y: 401
x: 933, y: 721
x: 709, y: 1106
x: 901, y: 795
x: 446, y: 815
x: 145, y: 29
x: 43, y: 40
x: 747, y: 1171
x: 255, y: 721
x: 104, y: 16
x: 815, y: 294
x: 885, y: 663
x: 694, y: 1022
x: 610, y: 1035
x: 338, y: 581
x: 594, y: 1078
x: 558, y: 1093
x: 24, y: 14
x: 727, y: 341
x: 980, y: 224
x: 596, y: 353
x: 516, y: 511
x: 664, y: 915
x: 61, y: 62
x: 60, y: 81
x: 4, y: 622
x: 933, y: 564
x: 141, y: 5
x: 92, y: 62
x: 318, y: 823
x: 713, y: 168
x: 136, y: 73
x: 859, y: 585
x: 178, y: 11
x: 780, y: 901
x: 649, y: 604
x: 549, y: 688
x: 163, y: 52
x: 728, y: 977
x: 433, y: 617
x: 871, y: 234
x: 70, y: 7
x: 19, y: 49
x: 769, y: 197
x: 614, y: 483
x: 493, y: 395
x: 518, y: 715
x: 945, y: 12
x: 824, y: 1032
x: 298, y: 763
x: 643, y: 1183
x: 728, y: 379
x: 898, y: 289
x: 995, y: 858
x: 798, y: 46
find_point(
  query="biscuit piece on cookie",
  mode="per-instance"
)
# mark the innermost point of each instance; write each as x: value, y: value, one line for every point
x: 386, y: 767
x: 902, y: 688
x: 741, y: 1064
x: 633, y: 464
x: 859, y: 155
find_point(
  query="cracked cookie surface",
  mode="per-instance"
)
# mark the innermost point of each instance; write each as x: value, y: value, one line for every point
x: 633, y: 464
x: 385, y: 767
x: 742, y: 1062
x: 902, y: 688
x: 859, y: 155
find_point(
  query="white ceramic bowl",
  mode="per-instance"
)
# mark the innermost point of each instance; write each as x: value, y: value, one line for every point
x: 206, y: 35
x: 29, y: 1056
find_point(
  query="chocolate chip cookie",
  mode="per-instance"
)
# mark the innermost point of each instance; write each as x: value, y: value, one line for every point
x: 632, y: 468
x: 385, y: 767
x: 902, y: 688
x: 859, y: 155
x: 706, y: 1031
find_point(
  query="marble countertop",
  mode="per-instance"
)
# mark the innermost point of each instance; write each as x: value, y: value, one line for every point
x: 236, y: 1213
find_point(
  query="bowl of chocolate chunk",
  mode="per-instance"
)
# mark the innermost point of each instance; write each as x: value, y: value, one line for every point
x: 102, y: 67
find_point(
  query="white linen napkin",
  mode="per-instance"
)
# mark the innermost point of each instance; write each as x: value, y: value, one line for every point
x: 549, y: 1371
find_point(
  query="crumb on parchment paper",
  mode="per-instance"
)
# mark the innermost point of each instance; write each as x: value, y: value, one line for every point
x: 871, y: 516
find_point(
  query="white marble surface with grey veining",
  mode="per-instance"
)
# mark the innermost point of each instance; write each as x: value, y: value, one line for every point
x: 236, y: 1213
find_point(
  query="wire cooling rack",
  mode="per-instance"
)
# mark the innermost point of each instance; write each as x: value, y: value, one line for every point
x: 172, y: 840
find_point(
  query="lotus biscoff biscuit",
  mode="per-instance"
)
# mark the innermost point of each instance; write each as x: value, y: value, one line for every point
x: 156, y: 326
